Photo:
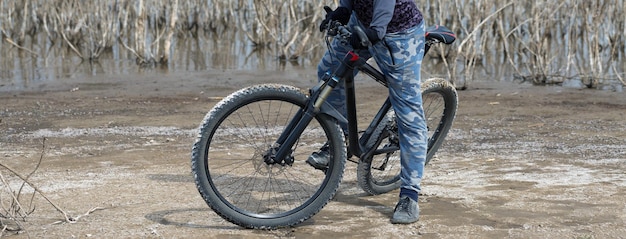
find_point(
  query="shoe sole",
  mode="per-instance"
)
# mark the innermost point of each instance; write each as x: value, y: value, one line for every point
x: 317, y: 166
x: 397, y: 221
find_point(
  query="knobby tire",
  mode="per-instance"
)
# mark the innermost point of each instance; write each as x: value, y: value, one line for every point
x: 230, y: 172
x: 381, y: 173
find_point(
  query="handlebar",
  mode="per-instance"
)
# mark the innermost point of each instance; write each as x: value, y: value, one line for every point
x: 433, y: 35
x: 335, y: 29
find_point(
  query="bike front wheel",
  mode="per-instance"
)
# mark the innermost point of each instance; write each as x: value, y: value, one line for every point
x: 230, y: 166
x: 381, y: 173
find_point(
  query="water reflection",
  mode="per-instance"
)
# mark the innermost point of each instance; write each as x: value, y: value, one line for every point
x: 48, y: 62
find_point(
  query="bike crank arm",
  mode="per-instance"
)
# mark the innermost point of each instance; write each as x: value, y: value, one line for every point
x: 386, y: 150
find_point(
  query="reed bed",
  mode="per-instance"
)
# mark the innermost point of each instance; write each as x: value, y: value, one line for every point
x: 542, y: 41
x: 147, y: 28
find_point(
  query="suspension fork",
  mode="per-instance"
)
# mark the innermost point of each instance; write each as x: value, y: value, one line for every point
x: 298, y: 123
x: 319, y: 95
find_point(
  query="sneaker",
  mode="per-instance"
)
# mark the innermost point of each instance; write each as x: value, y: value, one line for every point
x: 320, y: 159
x: 406, y: 211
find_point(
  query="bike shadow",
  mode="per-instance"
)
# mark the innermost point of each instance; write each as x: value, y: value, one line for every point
x: 181, y: 217
x: 171, y: 178
x: 162, y: 217
x: 362, y: 199
x: 186, y: 217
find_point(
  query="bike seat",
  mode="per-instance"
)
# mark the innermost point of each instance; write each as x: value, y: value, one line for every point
x: 439, y: 33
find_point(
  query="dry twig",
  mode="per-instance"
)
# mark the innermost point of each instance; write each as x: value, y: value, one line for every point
x: 25, y: 180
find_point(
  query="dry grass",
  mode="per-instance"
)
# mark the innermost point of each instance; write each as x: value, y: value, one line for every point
x: 146, y: 28
x: 14, y: 209
x: 540, y: 41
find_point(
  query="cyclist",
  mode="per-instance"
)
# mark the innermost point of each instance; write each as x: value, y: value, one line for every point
x: 396, y: 31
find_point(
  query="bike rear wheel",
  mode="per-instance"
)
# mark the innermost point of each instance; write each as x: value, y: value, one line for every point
x: 229, y: 159
x: 381, y: 173
x: 440, y: 102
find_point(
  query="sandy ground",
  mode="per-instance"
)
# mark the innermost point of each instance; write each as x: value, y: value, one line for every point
x: 520, y: 162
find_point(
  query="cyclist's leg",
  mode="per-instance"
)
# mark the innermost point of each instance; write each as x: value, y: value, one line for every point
x: 330, y: 62
x: 402, y: 69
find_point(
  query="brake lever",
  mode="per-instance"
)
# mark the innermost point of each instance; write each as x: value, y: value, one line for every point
x: 343, y: 30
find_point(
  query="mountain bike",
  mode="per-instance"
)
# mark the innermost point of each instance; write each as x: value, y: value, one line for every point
x: 249, y: 158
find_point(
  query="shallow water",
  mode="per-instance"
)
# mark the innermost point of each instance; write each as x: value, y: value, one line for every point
x: 577, y: 44
x: 48, y: 65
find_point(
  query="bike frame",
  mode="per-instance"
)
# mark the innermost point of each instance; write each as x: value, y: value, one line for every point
x: 317, y: 104
x: 344, y: 73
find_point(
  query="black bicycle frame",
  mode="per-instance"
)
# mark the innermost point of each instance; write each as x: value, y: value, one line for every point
x: 317, y: 104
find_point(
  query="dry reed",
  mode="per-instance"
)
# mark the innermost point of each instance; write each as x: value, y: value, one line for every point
x: 540, y: 41
x: 13, y: 208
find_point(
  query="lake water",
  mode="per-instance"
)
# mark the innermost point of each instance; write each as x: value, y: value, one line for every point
x: 47, y: 65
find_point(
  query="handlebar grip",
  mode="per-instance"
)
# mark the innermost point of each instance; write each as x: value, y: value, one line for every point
x: 364, y: 39
x: 341, y: 29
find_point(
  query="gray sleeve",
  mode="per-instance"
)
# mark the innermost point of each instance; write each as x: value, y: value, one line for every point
x: 383, y: 12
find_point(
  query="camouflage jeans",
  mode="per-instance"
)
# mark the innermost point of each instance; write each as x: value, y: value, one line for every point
x: 399, y: 56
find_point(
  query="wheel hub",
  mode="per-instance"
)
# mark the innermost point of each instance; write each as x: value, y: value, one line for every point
x: 269, y: 157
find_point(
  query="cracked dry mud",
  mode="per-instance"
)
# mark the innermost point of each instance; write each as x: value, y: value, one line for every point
x: 521, y: 162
